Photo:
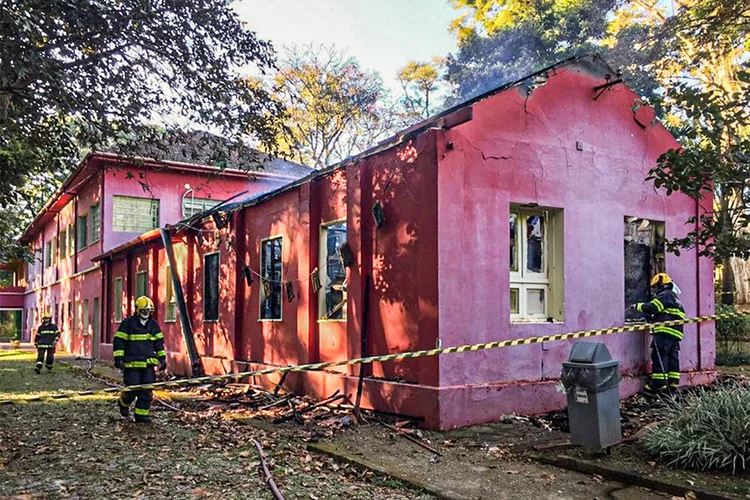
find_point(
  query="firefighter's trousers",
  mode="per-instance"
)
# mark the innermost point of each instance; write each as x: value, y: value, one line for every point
x: 142, y: 398
x: 40, y: 355
x: 665, y: 361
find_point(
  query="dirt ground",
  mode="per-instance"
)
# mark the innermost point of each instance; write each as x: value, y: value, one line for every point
x: 84, y: 449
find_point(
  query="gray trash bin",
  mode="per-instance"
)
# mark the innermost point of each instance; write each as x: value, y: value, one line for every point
x: 592, y: 379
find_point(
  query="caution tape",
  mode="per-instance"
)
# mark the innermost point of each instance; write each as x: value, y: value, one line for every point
x: 373, y: 359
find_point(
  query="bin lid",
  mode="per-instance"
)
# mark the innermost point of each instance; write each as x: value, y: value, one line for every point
x: 589, y: 352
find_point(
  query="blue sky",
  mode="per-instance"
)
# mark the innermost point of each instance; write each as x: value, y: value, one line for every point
x: 382, y: 34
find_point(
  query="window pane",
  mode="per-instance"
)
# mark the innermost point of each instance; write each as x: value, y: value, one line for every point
x: 94, y: 223
x: 535, y: 301
x: 141, y: 283
x: 171, y: 301
x: 82, y: 232
x: 211, y: 288
x: 514, y: 308
x: 513, y: 242
x: 271, y: 282
x: 335, y: 272
x: 134, y: 215
x: 535, y: 241
x: 118, y: 299
x: 192, y: 206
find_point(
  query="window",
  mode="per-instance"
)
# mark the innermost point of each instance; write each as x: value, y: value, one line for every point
x: 63, y: 244
x: 61, y: 325
x: 118, y: 299
x: 535, y: 264
x: 48, y: 255
x: 134, y: 215
x: 71, y: 240
x: 54, y: 251
x: 82, y: 231
x: 211, y: 287
x: 95, y: 224
x: 332, y: 301
x: 271, y: 272
x: 95, y: 319
x: 76, y: 315
x: 170, y: 300
x: 70, y: 316
x: 85, y: 330
x: 141, y: 283
x: 644, y: 257
x: 192, y: 206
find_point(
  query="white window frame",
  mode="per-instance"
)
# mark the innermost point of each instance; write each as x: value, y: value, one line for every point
x: 323, y: 272
x: 524, y: 280
x: 262, y: 293
x: 206, y: 204
x: 218, y: 287
x: 121, y: 223
x: 94, y: 222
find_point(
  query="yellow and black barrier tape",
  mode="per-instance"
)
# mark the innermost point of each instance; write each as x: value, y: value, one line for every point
x: 372, y: 359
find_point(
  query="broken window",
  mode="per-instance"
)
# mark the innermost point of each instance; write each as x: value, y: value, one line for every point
x: 535, y: 264
x: 644, y: 257
x: 333, y: 271
x: 271, y: 271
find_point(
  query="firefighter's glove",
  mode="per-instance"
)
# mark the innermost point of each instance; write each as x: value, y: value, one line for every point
x: 162, y: 365
x: 119, y: 364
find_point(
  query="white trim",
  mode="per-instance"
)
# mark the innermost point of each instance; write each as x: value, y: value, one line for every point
x: 524, y: 280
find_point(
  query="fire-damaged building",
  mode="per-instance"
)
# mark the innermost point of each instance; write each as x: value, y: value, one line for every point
x: 107, y: 200
x: 520, y: 213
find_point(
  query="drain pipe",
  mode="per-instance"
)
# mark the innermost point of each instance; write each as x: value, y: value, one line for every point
x: 196, y: 366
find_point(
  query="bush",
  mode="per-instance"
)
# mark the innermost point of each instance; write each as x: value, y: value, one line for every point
x: 709, y: 429
x: 730, y: 331
x: 732, y: 359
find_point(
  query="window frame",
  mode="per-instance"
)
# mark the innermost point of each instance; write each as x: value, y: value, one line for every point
x: 188, y: 199
x: 524, y: 280
x: 47, y: 255
x: 138, y: 275
x: 323, y: 274
x: 117, y: 299
x: 82, y: 231
x: 94, y: 223
x: 170, y: 300
x: 122, y: 225
x: 261, y: 293
x: 217, y: 253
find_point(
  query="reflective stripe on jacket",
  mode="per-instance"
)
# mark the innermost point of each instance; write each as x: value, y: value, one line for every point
x: 46, y: 336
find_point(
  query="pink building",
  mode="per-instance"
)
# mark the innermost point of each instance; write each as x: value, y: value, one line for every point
x: 106, y: 201
x: 523, y: 212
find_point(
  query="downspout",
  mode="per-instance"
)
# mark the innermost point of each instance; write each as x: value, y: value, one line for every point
x: 239, y: 284
x: 196, y: 366
x: 698, y: 287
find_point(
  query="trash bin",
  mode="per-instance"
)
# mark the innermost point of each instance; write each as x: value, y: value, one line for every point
x: 592, y: 379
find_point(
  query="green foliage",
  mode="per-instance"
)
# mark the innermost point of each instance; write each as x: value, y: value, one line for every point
x: 333, y: 107
x: 421, y: 84
x: 79, y: 74
x: 732, y: 359
x: 731, y: 330
x: 707, y: 430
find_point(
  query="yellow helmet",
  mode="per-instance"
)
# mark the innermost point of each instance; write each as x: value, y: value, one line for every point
x: 661, y: 279
x: 47, y: 315
x: 143, y: 302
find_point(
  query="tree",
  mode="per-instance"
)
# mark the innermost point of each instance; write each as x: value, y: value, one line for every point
x: 421, y: 85
x: 76, y: 74
x: 333, y: 108
x: 502, y: 40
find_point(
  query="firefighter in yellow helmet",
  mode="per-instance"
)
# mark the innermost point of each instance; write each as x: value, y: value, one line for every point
x: 138, y: 350
x: 665, y: 345
x: 45, y: 341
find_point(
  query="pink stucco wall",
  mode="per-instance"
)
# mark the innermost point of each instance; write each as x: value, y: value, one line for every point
x: 523, y: 149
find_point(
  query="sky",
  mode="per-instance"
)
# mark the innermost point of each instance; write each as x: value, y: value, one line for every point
x: 383, y: 35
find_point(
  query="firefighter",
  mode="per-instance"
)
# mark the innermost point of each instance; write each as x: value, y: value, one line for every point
x: 665, y: 344
x: 138, y: 349
x: 45, y: 342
